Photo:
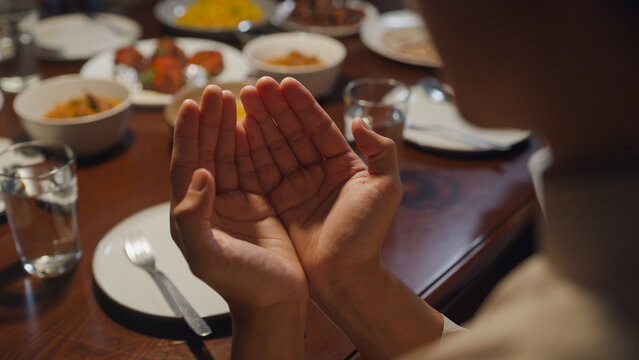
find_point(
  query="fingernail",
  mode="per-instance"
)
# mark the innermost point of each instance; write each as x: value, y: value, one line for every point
x: 364, y: 123
x: 198, y: 183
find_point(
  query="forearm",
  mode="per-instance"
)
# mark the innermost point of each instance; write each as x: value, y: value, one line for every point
x: 380, y: 314
x: 274, y: 333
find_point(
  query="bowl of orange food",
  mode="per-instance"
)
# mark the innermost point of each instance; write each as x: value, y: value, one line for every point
x: 313, y: 59
x: 89, y: 115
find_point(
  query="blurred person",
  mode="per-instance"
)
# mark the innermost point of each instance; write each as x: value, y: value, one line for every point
x: 290, y: 209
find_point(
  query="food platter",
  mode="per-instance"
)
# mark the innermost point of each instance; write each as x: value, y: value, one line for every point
x: 281, y: 18
x: 236, y: 68
x: 168, y: 11
x: 402, y: 36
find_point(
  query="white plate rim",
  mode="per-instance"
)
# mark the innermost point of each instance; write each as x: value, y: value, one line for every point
x: 461, y: 150
x: 136, y: 34
x: 163, y: 9
x: 147, y: 98
x: 113, y: 237
x: 372, y: 30
x: 282, y: 10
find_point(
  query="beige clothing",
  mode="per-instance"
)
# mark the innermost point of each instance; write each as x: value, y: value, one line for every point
x: 536, y: 314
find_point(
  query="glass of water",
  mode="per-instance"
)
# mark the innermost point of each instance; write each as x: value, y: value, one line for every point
x: 19, y: 66
x: 40, y: 191
x: 382, y: 103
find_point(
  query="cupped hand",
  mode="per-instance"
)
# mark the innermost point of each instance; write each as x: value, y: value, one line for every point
x: 220, y: 219
x: 335, y: 207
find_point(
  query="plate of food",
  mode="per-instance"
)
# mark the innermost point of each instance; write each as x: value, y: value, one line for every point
x: 78, y: 36
x: 155, y: 69
x: 213, y: 18
x: 337, y: 19
x: 402, y: 36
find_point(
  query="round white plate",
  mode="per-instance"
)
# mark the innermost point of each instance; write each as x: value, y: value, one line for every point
x: 4, y: 143
x: 284, y: 9
x: 167, y: 11
x: 373, y: 34
x: 132, y: 286
x: 236, y: 68
x: 78, y: 36
x: 422, y: 111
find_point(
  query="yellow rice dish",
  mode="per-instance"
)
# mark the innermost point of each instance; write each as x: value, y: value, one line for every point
x: 220, y: 13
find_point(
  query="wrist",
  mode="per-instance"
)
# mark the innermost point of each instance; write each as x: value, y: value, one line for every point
x: 275, y: 332
x: 352, y: 282
x: 359, y: 305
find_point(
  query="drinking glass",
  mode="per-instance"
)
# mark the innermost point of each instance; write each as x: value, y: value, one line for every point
x: 39, y: 186
x: 382, y: 103
x: 19, y: 66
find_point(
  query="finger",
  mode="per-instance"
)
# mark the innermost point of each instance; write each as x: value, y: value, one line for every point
x: 225, y: 170
x: 277, y: 145
x: 192, y: 215
x: 210, y: 118
x: 267, y: 172
x: 325, y: 135
x: 185, y: 155
x: 247, y: 177
x: 287, y: 122
x: 380, y: 151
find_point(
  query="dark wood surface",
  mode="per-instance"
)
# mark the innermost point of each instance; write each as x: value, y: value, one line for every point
x: 456, y: 216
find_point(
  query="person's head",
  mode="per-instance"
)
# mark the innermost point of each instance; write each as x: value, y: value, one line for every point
x: 568, y: 69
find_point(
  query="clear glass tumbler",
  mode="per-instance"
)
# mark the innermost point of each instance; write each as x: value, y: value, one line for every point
x: 39, y: 186
x: 19, y: 65
x: 382, y: 103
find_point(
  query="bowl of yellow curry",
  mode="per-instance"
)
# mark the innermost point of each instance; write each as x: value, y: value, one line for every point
x: 89, y: 115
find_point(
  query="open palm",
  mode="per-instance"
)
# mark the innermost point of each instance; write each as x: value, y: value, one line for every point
x: 227, y: 230
x: 336, y: 208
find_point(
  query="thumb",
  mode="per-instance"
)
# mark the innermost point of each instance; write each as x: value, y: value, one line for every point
x: 380, y: 151
x: 192, y: 214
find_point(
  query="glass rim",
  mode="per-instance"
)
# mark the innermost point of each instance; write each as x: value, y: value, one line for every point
x: 33, y: 143
x: 348, y: 90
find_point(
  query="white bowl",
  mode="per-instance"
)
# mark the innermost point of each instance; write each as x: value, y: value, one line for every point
x: 86, y: 135
x: 319, y: 79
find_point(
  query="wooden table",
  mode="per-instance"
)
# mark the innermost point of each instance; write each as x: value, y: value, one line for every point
x: 456, y: 217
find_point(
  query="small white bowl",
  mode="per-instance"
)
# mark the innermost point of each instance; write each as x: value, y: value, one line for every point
x: 319, y: 79
x: 86, y: 135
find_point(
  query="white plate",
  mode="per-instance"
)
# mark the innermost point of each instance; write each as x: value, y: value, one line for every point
x: 284, y: 9
x: 133, y: 287
x: 422, y: 111
x: 78, y: 37
x: 373, y: 35
x: 167, y: 11
x: 236, y: 68
x: 4, y: 143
